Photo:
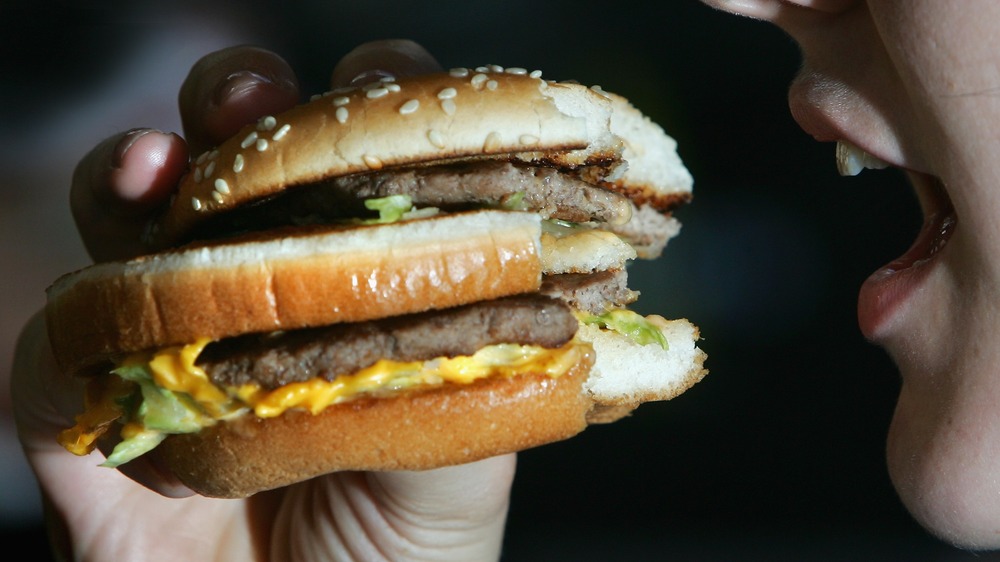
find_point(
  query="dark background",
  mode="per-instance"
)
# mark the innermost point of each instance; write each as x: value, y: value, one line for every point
x: 777, y: 454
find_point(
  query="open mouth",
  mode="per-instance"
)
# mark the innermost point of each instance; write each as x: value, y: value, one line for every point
x: 889, y: 287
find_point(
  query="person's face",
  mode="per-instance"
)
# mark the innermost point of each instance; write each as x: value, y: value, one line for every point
x: 917, y: 84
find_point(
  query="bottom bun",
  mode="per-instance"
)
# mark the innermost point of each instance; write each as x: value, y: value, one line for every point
x: 454, y: 424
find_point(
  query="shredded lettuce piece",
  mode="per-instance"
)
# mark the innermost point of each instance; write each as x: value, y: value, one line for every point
x: 162, y: 412
x: 628, y: 323
x: 515, y: 202
x: 394, y: 208
x: 390, y: 209
x: 135, y: 445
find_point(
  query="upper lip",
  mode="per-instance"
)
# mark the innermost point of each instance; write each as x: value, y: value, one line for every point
x: 811, y: 113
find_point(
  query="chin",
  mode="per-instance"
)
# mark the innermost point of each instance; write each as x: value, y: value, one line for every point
x: 943, y: 467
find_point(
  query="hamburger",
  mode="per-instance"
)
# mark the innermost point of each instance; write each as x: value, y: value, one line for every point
x: 403, y: 276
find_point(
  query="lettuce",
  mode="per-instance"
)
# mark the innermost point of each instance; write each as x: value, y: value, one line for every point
x: 160, y: 413
x: 630, y: 324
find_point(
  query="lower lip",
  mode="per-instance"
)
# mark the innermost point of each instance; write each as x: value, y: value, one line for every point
x: 887, y: 289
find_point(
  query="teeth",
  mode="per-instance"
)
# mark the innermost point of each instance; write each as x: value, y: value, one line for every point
x: 851, y: 160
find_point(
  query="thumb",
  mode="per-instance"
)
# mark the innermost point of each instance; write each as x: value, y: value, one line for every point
x: 462, y: 507
x: 456, y: 513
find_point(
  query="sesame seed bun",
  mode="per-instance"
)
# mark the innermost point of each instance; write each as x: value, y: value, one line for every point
x: 461, y: 115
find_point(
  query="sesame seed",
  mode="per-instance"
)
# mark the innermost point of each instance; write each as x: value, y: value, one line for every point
x: 448, y: 106
x: 387, y: 79
x: 372, y: 162
x: 315, y: 97
x: 201, y: 158
x: 528, y: 139
x: 447, y: 93
x: 492, y: 142
x: 409, y: 107
x: 261, y: 145
x: 516, y: 70
x: 478, y: 79
x: 238, y: 163
x: 496, y: 68
x: 482, y: 69
x: 217, y: 196
x: 436, y: 138
x: 343, y: 90
x: 394, y: 88
x: 536, y: 74
x: 459, y: 72
x: 213, y: 155
x: 197, y: 175
x: 376, y: 93
x: 196, y: 203
x: 210, y: 169
x: 492, y: 85
x: 341, y: 100
x: 266, y: 123
x: 341, y: 115
x: 249, y: 140
x: 280, y: 133
x: 221, y: 186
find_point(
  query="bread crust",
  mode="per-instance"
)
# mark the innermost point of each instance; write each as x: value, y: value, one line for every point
x: 284, y: 283
x: 453, y: 424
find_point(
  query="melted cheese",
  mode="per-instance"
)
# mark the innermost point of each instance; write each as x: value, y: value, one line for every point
x: 175, y: 369
x: 388, y: 377
x: 102, y: 406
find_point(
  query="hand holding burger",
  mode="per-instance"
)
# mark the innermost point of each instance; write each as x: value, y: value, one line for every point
x: 115, y: 187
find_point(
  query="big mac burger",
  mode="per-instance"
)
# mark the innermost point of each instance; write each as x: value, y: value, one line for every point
x: 408, y: 275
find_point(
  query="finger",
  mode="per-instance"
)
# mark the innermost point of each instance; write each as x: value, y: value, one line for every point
x: 390, y: 58
x: 117, y: 186
x: 227, y: 89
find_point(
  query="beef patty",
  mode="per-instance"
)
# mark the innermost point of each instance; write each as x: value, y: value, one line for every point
x: 459, y: 186
x: 279, y: 358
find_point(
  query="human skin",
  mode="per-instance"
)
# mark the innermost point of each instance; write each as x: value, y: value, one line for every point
x: 916, y: 83
x: 141, y: 512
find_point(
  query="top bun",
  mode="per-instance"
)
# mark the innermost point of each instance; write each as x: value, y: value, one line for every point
x: 488, y: 112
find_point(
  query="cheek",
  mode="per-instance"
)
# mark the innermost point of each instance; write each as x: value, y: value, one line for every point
x: 944, y: 459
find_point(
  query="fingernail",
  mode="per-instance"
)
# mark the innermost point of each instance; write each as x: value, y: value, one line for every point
x: 237, y: 84
x: 126, y: 142
x: 370, y: 76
